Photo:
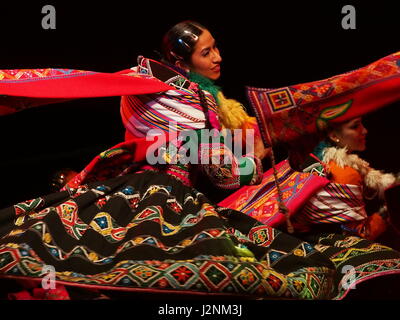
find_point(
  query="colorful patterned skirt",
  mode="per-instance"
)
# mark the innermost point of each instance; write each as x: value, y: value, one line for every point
x: 356, y: 260
x: 147, y: 232
x: 365, y: 269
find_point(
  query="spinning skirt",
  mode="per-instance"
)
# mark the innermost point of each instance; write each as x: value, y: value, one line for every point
x: 147, y: 232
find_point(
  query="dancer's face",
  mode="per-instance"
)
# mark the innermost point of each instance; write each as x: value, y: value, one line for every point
x: 351, y: 134
x: 206, y: 59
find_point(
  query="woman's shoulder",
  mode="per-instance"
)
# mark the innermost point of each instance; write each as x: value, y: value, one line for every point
x: 312, y: 165
x: 162, y: 71
x: 334, y: 164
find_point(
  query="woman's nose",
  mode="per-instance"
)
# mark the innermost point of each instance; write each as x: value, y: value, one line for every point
x: 217, y: 57
x: 364, y: 131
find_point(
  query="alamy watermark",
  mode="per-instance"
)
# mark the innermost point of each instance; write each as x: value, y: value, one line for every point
x: 349, y: 279
x: 205, y: 146
x: 349, y: 20
x: 49, y: 277
x: 49, y: 20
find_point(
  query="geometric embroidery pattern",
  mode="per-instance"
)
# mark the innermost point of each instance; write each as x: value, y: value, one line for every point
x: 290, y: 112
x: 28, y: 206
x: 206, y: 274
x: 197, y: 249
x: 37, y: 74
x: 280, y: 99
x: 189, y: 275
x: 366, y: 271
x: 262, y: 235
x: 68, y: 213
x: 260, y: 201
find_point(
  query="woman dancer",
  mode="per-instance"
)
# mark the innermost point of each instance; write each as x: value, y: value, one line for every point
x: 126, y: 224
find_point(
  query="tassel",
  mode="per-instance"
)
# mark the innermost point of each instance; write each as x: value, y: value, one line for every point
x: 282, y: 207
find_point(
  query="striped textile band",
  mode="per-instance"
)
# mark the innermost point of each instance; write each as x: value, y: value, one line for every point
x: 170, y: 111
x: 260, y: 201
x: 335, y: 203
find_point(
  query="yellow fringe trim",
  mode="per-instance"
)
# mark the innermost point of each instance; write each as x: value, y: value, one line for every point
x: 231, y: 113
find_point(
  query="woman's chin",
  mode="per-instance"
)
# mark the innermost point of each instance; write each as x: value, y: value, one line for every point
x: 360, y: 148
x: 215, y: 76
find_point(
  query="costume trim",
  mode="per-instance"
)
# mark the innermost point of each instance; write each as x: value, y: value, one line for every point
x: 372, y: 178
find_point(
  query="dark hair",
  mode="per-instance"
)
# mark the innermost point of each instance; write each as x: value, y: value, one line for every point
x: 327, y: 129
x: 178, y: 43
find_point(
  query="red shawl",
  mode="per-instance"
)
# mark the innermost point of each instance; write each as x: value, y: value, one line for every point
x: 24, y: 88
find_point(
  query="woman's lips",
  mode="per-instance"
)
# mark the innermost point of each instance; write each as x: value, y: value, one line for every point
x: 217, y: 68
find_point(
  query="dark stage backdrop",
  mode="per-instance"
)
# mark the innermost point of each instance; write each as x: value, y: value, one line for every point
x: 263, y: 43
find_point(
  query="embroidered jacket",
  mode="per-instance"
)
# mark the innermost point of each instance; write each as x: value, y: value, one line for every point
x: 186, y: 109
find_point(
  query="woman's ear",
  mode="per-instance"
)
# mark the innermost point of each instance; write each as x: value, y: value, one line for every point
x: 333, y: 136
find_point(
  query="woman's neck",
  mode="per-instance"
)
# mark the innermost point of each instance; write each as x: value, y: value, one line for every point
x: 204, y: 83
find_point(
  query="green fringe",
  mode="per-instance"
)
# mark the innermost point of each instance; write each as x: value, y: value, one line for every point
x: 319, y: 149
x: 205, y: 84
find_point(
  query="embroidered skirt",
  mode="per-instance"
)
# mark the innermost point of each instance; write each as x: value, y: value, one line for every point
x: 148, y: 231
